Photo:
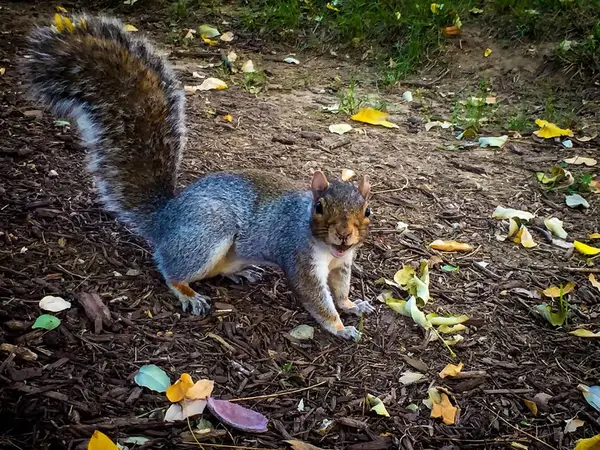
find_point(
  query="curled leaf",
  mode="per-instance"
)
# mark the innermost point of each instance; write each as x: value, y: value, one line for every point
x: 208, y: 31
x: 451, y: 370
x: 237, y: 416
x: 493, y: 141
x: 524, y: 238
x: 373, y: 117
x: 404, y: 275
x: 290, y: 60
x: 549, y: 130
x: 377, y: 405
x: 340, y: 128
x: 152, y: 377
x: 227, y: 37
x: 303, y: 332
x: 100, y: 441
x: 594, y: 282
x: 450, y: 246
x: 555, y: 225
x: 487, y: 52
x: 556, y: 291
x: 592, y: 443
x: 417, y: 315
x: 577, y: 160
x: 507, y: 213
x: 450, y: 329
x: 54, y: 304
x: 444, y: 409
x: 591, y: 395
x: 571, y: 425
x: 347, y: 174
x: 581, y: 332
x: 585, y: 249
x: 248, y: 67
x: 436, y: 320
x: 184, y: 409
x: 46, y: 322
x: 532, y: 406
x: 212, y: 84
x: 576, y: 200
x: 130, y: 28
x: 200, y: 390
x: 409, y: 377
x: 437, y: 123
x: 177, y: 391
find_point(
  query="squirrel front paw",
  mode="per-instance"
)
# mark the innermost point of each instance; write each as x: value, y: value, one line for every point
x: 361, y: 306
x: 198, y: 303
x: 349, y: 332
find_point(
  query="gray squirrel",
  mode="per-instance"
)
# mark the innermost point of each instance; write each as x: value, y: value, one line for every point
x: 129, y: 109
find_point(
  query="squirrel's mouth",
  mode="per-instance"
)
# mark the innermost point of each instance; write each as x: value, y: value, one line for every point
x: 339, y: 250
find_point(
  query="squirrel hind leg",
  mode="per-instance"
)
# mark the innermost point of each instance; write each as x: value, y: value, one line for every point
x: 189, y: 298
x: 252, y: 274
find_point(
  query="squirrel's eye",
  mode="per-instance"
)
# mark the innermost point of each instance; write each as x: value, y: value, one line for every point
x: 319, y: 207
x: 367, y: 212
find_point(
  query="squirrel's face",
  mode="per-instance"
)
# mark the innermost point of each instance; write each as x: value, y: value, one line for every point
x: 340, y: 213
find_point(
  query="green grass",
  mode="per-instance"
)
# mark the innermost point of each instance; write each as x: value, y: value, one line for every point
x: 405, y: 35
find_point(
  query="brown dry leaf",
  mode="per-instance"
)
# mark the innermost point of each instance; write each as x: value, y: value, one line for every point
x: 594, y: 282
x: 299, y: 445
x: 444, y: 409
x: 532, y: 406
x: 554, y: 291
x: 450, y: 246
x: 451, y: 370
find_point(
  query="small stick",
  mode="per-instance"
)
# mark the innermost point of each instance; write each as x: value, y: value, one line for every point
x: 508, y: 391
x: 340, y: 144
x: 471, y: 374
x: 278, y: 394
x: 582, y: 269
x: 385, y: 191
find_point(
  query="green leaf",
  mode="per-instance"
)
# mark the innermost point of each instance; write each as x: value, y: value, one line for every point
x: 208, y: 31
x: 47, y: 322
x: 450, y: 268
x: 555, y: 318
x: 152, y: 377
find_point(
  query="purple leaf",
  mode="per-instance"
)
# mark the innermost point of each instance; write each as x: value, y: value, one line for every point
x: 237, y: 416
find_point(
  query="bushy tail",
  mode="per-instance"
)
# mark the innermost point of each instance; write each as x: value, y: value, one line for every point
x: 125, y: 100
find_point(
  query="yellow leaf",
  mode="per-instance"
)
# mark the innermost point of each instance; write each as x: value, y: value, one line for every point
x: 435, y: 319
x: 347, y: 174
x: 488, y: 52
x: 200, y: 390
x: 532, y: 406
x: 586, y: 249
x: 451, y: 370
x: 435, y: 8
x: 227, y: 117
x: 404, y: 275
x: 594, y: 282
x: 331, y: 7
x: 582, y: 332
x: 513, y: 227
x: 208, y: 41
x: 377, y: 405
x: 60, y: 9
x: 2, y: 71
x: 374, y: 117
x: 212, y: 84
x: 554, y: 291
x: 519, y: 446
x: 594, y: 236
x: 444, y: 409
x: 450, y: 246
x: 524, y: 238
x: 549, y: 130
x: 129, y: 27
x: 176, y: 392
x: 58, y: 22
x: 592, y: 443
x: 450, y: 329
x: 100, y: 441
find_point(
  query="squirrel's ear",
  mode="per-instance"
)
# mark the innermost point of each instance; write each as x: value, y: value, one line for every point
x: 319, y: 182
x: 364, y: 187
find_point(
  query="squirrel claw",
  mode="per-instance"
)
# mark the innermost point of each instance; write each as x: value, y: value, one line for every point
x: 362, y: 306
x: 251, y: 275
x: 349, y: 332
x: 199, y: 304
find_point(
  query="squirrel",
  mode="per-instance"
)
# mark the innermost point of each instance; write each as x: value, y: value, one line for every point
x: 129, y: 109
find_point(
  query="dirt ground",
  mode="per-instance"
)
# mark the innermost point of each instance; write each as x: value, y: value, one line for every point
x: 56, y: 239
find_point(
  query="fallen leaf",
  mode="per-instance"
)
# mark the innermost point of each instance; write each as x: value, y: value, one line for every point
x: 567, y: 143
x: 190, y: 34
x: 340, y: 128
x: 436, y: 319
x: 453, y: 341
x: 303, y: 332
x: 184, y: 409
x: 450, y: 246
x: 585, y: 249
x: 299, y: 445
x: 571, y: 425
x: 549, y: 130
x: 412, y: 407
x: 200, y: 390
x: 555, y: 225
x: 591, y: 395
x: 451, y: 370
x: 592, y: 443
x: 582, y: 332
x: 377, y: 405
x: 208, y: 31
x: 493, y: 141
x: 208, y: 41
x: 524, y: 238
x: 594, y: 282
x: 575, y: 200
x: 373, y: 117
x: 437, y: 123
x: 451, y: 329
x: 227, y: 37
x: 444, y: 409
x: 555, y: 291
x: 130, y: 28
x: 594, y: 236
x: 519, y: 446
x: 331, y: 7
x: 404, y: 275
x: 554, y: 318
x: 532, y: 406
x: 237, y: 416
x: 2, y: 71
x: 46, y: 322
x: 347, y: 174
x: 558, y: 176
x: 227, y: 118
x: 577, y: 160
x: 232, y: 56
x: 248, y: 67
x: 176, y: 392
x: 407, y: 96
x: 416, y: 314
x: 152, y: 377
x: 487, y: 52
x: 452, y: 30
x: 54, y: 304
x: 504, y: 213
x: 409, y: 377
x: 212, y: 84
x: 290, y: 60
x: 450, y: 268
x: 137, y: 440
x: 100, y: 441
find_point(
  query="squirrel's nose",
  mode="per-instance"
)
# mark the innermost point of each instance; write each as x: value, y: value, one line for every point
x: 343, y: 235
